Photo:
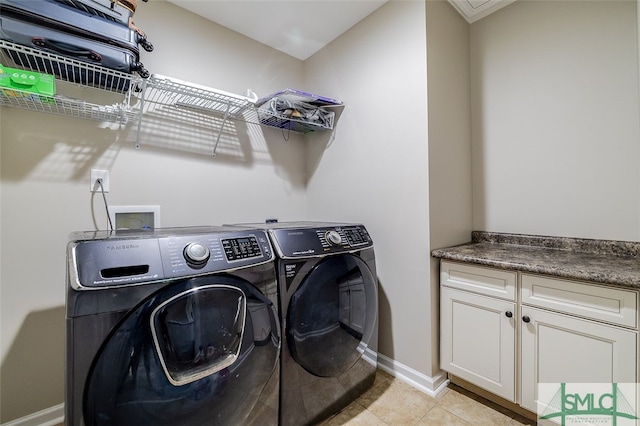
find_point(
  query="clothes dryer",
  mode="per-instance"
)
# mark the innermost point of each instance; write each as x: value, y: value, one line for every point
x: 328, y: 294
x: 172, y: 327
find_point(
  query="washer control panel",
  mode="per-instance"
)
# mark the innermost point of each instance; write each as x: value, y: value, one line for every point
x: 121, y: 261
x: 309, y: 242
x: 185, y: 255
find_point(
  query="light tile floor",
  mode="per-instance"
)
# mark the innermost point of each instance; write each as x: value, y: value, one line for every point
x: 391, y: 402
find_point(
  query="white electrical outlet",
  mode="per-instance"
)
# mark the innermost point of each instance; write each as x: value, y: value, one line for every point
x: 99, y: 174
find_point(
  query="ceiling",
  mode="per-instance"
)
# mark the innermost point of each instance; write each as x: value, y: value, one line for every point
x: 300, y: 28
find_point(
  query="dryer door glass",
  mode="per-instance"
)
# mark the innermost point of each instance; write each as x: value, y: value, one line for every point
x: 331, y: 316
x: 199, y: 351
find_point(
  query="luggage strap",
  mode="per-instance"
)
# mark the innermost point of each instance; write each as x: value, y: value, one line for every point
x: 135, y: 28
x: 129, y: 4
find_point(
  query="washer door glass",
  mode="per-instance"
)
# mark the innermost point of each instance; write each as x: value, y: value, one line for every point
x: 331, y: 316
x: 188, y: 346
x: 199, y: 351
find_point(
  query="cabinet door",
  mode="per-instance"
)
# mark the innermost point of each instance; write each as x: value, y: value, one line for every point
x: 478, y: 340
x: 557, y: 348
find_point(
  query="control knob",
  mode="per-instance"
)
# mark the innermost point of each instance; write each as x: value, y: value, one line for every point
x: 196, y: 254
x: 333, y: 237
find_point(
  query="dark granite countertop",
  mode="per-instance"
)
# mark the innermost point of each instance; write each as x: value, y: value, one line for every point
x: 602, y: 261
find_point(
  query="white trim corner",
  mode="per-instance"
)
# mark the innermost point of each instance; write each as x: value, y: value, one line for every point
x: 432, y: 386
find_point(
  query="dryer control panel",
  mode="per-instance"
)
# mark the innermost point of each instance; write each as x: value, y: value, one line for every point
x: 310, y: 242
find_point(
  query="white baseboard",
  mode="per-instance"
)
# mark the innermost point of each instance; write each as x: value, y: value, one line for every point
x: 48, y: 417
x: 371, y: 357
x: 432, y: 386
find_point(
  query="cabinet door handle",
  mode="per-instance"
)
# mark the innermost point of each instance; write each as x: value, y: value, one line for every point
x: 526, y: 319
x: 509, y: 314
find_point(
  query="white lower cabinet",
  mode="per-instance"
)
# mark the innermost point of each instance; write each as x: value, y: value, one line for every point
x: 558, y: 348
x: 479, y: 345
x: 550, y: 331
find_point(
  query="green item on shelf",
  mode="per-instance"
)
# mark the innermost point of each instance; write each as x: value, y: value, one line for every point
x: 26, y: 83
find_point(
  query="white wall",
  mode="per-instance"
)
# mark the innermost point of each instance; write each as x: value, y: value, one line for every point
x: 45, y: 166
x: 450, y: 197
x: 376, y: 169
x: 555, y: 118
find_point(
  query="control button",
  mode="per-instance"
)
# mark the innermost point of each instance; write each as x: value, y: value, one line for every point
x: 333, y: 237
x: 196, y: 253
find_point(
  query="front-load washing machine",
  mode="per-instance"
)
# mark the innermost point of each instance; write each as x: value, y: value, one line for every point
x: 172, y: 327
x: 329, y: 316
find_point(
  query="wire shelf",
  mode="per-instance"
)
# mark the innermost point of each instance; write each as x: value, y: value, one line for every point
x: 166, y: 91
x: 61, y: 105
x: 297, y: 111
x: 273, y: 119
x: 152, y: 94
x: 66, y: 69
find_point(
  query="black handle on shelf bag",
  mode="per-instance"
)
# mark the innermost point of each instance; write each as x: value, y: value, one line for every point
x: 140, y: 69
x: 67, y: 49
